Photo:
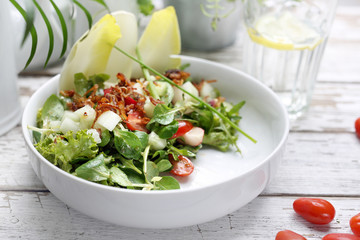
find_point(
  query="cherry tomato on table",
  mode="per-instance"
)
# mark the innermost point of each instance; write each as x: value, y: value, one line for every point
x: 184, y: 167
x: 357, y: 127
x: 288, y: 235
x: 184, y: 127
x: 314, y: 210
x: 355, y: 224
x: 340, y: 236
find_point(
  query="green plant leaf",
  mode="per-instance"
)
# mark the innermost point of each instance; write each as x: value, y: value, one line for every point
x: 119, y: 177
x: 63, y: 27
x: 128, y: 144
x: 29, y: 19
x: 145, y: 6
x: 164, y: 165
x: 167, y: 183
x: 102, y: 2
x: 86, y: 12
x: 53, y: 109
x: 94, y: 170
x: 50, y: 32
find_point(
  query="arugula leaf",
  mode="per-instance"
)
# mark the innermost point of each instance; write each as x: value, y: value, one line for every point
x: 128, y: 144
x: 52, y: 110
x: 167, y: 183
x: 94, y: 170
x: 83, y: 84
x: 204, y: 118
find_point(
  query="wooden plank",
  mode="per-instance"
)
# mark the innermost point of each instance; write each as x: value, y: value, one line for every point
x: 326, y: 164
x: 33, y: 215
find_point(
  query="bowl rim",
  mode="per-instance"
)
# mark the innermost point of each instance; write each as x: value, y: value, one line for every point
x: 52, y: 80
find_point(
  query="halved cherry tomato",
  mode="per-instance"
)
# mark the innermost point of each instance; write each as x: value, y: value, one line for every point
x: 340, y: 236
x: 355, y: 224
x: 314, y: 210
x: 288, y: 235
x: 129, y: 101
x: 357, y: 127
x: 184, y: 127
x: 184, y: 167
x: 135, y: 122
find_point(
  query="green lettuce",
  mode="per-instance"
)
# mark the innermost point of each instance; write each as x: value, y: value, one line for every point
x: 65, y: 150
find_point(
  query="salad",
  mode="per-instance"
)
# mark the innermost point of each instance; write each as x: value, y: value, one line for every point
x: 120, y: 122
x: 136, y: 134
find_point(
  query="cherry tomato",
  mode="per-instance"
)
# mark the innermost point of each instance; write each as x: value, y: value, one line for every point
x: 340, y: 236
x: 184, y: 127
x: 135, y: 122
x: 314, y: 210
x: 129, y: 101
x: 357, y: 127
x: 288, y: 235
x: 355, y: 224
x: 184, y: 167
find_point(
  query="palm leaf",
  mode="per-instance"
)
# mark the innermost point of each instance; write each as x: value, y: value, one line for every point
x: 29, y: 19
x: 50, y: 32
x: 63, y: 27
x: 87, y: 13
x: 102, y: 2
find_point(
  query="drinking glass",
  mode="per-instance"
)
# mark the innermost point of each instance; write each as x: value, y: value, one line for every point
x: 284, y: 45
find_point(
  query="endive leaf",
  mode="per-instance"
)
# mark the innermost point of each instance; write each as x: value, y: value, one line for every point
x: 129, y: 36
x: 90, y: 54
x: 160, y: 40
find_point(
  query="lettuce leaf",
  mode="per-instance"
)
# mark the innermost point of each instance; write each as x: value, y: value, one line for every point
x: 62, y: 151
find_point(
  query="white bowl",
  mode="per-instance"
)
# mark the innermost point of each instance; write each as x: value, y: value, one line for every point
x: 221, y: 182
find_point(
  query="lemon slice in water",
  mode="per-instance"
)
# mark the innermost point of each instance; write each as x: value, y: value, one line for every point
x: 284, y: 32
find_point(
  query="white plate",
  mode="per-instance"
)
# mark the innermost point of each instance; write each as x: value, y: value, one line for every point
x: 221, y: 182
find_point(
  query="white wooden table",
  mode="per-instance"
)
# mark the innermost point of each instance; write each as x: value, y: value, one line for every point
x: 322, y: 160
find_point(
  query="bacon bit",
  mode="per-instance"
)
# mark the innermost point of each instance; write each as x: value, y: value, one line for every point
x: 155, y: 101
x: 67, y: 93
x: 176, y: 74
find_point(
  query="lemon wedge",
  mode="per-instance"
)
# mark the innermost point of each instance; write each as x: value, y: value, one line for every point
x: 160, y: 40
x: 284, y: 32
x: 90, y: 54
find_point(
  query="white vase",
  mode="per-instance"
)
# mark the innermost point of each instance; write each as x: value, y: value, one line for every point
x: 10, y: 108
